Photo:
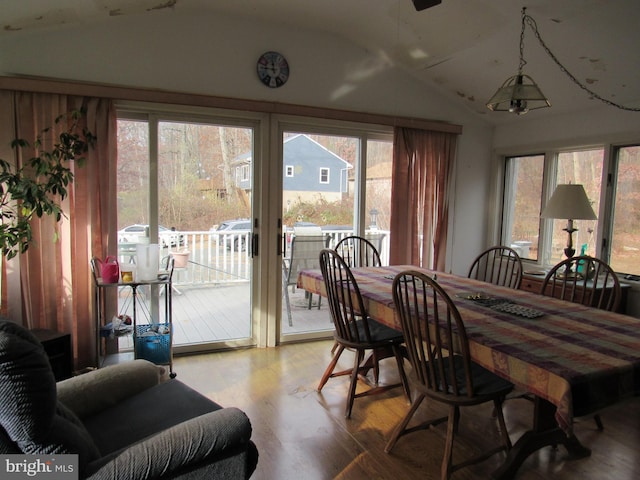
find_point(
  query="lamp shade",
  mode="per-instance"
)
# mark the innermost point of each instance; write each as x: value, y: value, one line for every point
x: 569, y: 202
x: 518, y: 94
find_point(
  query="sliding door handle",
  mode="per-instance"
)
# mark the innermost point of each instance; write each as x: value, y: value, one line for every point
x: 254, y: 245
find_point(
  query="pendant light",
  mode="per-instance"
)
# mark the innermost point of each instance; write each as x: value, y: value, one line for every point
x: 520, y: 93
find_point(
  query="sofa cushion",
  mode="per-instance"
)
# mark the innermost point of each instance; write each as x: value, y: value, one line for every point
x: 29, y: 411
x: 27, y: 384
x: 151, y: 411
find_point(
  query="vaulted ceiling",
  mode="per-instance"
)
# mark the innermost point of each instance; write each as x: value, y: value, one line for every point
x: 465, y: 48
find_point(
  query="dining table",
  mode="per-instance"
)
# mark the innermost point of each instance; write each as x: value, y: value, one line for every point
x: 573, y: 360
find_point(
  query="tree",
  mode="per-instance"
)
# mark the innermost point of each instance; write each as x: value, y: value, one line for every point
x: 36, y: 188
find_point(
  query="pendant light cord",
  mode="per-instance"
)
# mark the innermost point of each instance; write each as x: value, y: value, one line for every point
x: 532, y: 23
x: 523, y: 62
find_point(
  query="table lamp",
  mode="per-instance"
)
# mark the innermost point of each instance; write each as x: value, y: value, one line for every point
x: 571, y: 202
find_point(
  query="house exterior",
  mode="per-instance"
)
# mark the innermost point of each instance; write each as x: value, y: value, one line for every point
x: 310, y: 171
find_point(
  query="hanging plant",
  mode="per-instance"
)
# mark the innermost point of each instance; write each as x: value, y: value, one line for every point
x: 41, y: 183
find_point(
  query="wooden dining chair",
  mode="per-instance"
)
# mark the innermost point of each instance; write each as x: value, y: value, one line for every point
x: 354, y: 330
x: 432, y: 325
x: 498, y: 265
x: 585, y: 280
x: 358, y: 252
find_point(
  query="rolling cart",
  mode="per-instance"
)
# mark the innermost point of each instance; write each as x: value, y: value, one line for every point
x: 152, y: 339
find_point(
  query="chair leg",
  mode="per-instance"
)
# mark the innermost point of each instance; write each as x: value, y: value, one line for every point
x: 401, y: 427
x: 330, y: 367
x: 598, y: 421
x: 310, y: 300
x: 376, y: 366
x: 397, y: 351
x: 288, y: 303
x: 354, y: 382
x: 454, y: 415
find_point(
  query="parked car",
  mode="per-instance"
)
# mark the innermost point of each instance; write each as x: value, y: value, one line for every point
x: 235, y: 232
x: 136, y: 233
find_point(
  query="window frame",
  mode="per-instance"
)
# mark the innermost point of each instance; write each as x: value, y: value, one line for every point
x: 328, y: 175
x: 245, y: 172
x: 605, y: 213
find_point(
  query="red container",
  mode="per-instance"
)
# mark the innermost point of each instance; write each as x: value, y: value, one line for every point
x: 109, y: 269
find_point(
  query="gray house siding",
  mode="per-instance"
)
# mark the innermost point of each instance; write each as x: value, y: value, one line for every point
x: 305, y: 157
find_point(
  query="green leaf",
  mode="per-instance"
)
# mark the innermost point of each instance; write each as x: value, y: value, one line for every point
x: 35, y: 188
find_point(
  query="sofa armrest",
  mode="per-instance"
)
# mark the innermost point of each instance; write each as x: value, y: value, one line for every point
x: 103, y: 388
x: 194, y: 443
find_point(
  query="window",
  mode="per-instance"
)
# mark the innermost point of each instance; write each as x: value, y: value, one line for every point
x: 378, y: 183
x: 324, y: 175
x: 530, y: 180
x: 625, y: 236
x: 523, y: 197
x: 289, y: 170
x: 244, y: 173
x: 583, y: 168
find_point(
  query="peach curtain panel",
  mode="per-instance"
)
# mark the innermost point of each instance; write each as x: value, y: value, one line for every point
x: 422, y: 167
x: 55, y: 276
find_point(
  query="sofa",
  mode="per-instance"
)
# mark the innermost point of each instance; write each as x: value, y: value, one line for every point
x: 125, y: 421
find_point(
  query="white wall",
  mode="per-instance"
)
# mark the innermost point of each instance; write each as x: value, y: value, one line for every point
x: 215, y: 55
x: 539, y: 129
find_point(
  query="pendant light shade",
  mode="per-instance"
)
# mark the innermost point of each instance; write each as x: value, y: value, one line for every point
x: 518, y: 94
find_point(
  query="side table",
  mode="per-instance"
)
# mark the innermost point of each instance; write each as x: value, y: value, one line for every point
x: 57, y: 346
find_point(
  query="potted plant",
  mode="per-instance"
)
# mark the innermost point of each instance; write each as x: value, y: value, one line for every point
x: 36, y: 188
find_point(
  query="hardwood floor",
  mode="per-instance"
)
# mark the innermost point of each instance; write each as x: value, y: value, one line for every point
x: 301, y: 433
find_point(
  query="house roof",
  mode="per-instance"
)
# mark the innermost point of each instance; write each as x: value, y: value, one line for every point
x: 304, y: 147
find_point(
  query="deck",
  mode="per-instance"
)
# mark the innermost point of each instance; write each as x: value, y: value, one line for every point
x: 211, y: 291
x: 220, y: 313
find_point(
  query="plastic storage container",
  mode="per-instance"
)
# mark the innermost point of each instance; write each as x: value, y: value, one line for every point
x: 153, y: 343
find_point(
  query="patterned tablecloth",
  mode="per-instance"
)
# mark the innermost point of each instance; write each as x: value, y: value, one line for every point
x: 578, y: 358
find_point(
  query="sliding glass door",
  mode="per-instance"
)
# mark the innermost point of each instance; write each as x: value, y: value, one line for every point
x: 185, y: 182
x: 334, y: 184
x: 235, y: 198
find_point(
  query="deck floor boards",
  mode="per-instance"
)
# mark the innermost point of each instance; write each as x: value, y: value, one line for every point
x: 217, y: 313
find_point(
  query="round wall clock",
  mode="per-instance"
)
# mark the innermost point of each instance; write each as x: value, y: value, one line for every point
x: 273, y: 69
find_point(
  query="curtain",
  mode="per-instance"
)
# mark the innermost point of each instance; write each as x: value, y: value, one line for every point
x: 422, y: 166
x: 55, y: 275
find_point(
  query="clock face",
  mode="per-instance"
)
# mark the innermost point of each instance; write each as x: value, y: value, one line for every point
x: 273, y: 69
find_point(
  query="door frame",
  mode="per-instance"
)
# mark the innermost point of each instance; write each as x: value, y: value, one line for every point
x: 279, y: 124
x: 259, y: 123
